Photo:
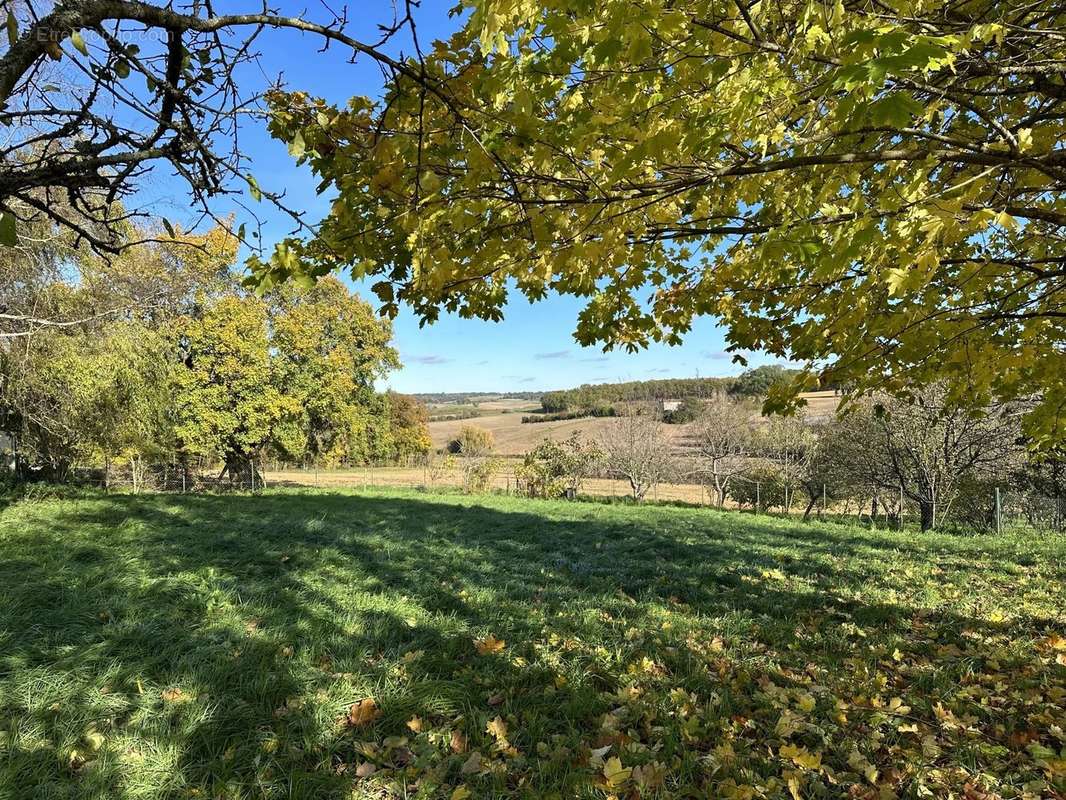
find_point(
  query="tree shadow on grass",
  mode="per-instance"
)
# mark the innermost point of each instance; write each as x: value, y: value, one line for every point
x: 215, y: 643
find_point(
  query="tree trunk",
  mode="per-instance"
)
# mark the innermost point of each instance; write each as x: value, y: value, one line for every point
x: 927, y: 511
x: 242, y: 472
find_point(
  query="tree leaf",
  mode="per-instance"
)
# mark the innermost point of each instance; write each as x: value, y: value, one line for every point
x: 78, y: 41
x: 8, y: 235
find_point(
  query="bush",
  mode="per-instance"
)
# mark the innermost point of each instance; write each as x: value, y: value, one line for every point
x: 472, y: 442
x: 478, y: 473
x: 759, y: 487
x: 552, y: 469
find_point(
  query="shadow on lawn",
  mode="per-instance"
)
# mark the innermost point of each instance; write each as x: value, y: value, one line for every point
x: 245, y: 603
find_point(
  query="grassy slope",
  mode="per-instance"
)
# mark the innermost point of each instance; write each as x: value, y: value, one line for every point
x: 210, y: 647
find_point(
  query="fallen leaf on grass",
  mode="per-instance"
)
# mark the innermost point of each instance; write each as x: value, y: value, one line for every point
x: 458, y: 742
x: 614, y: 774
x: 801, y: 756
x: 498, y: 728
x: 490, y: 644
x: 415, y: 724
x: 173, y: 695
x: 472, y: 764
x: 363, y: 712
x: 365, y: 770
x: 460, y: 793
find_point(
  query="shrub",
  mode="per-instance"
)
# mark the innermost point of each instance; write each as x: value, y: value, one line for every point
x: 551, y: 469
x: 478, y: 473
x: 759, y: 486
x: 472, y: 442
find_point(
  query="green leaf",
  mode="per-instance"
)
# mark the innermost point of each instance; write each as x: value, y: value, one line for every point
x: 896, y: 110
x: 169, y: 228
x: 254, y: 190
x: 297, y: 146
x: 122, y: 68
x: 8, y: 236
x: 12, y: 29
x: 76, y: 40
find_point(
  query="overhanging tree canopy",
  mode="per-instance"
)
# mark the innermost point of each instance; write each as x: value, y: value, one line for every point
x: 873, y: 189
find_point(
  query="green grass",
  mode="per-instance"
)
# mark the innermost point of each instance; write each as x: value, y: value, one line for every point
x: 211, y: 646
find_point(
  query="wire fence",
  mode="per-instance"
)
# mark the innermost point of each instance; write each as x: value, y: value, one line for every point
x: 987, y: 508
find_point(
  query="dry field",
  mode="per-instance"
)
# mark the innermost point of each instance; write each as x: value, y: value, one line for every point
x: 504, y: 480
x: 515, y: 438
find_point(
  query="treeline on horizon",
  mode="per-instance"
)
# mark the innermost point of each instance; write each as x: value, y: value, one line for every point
x: 596, y: 399
x: 461, y: 398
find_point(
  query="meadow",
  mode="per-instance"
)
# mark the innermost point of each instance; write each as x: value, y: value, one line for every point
x: 392, y: 643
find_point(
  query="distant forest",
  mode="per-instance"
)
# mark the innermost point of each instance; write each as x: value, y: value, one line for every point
x: 599, y: 396
x: 472, y: 397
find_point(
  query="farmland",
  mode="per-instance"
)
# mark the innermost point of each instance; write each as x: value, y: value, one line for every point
x: 401, y: 644
x: 514, y: 438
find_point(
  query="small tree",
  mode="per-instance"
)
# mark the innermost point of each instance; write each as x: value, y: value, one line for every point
x: 928, y: 447
x: 552, y: 469
x: 636, y: 449
x: 478, y: 473
x: 474, y: 446
x: 723, y: 440
x: 758, y: 486
x: 472, y: 442
x: 789, y: 443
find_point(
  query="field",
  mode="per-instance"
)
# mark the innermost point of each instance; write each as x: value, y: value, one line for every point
x: 514, y: 438
x: 503, y: 480
x: 398, y: 644
x: 486, y: 407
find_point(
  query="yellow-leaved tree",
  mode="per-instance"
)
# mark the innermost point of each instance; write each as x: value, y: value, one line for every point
x: 873, y: 190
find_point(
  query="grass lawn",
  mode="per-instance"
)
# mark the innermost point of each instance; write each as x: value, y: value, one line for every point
x: 398, y: 644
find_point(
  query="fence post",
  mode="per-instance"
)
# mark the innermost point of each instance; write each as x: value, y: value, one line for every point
x: 316, y: 473
x: 758, y: 501
x: 999, y: 514
x: 901, y: 507
x: 823, y: 499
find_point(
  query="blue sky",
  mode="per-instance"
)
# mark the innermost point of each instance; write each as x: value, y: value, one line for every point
x: 533, y: 347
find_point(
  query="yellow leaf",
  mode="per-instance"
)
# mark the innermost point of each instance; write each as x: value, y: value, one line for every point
x: 498, y: 728
x: 614, y: 773
x: 1005, y: 220
x: 460, y: 793
x: 363, y: 712
x: 490, y: 644
x: 415, y: 724
x: 801, y: 757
